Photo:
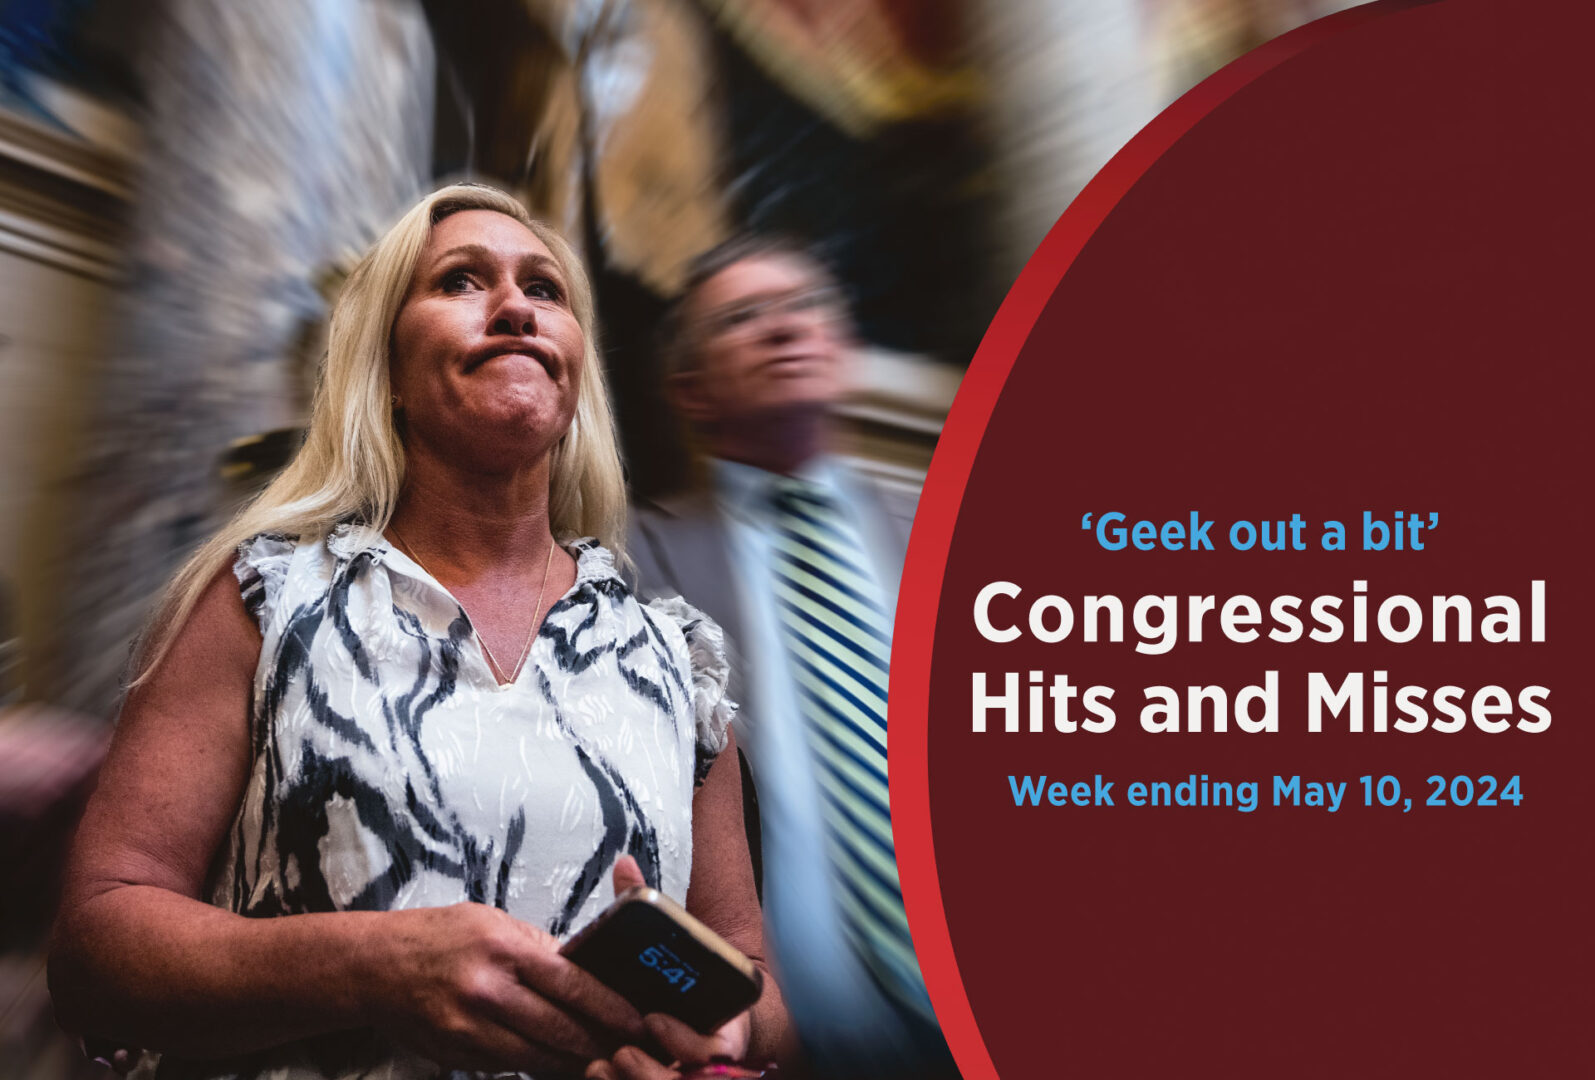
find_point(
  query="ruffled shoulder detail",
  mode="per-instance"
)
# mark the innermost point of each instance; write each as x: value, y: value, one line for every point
x: 594, y: 562
x: 261, y: 568
x: 713, y: 710
x: 350, y: 537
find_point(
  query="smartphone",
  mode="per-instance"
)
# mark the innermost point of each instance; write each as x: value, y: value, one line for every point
x: 650, y: 951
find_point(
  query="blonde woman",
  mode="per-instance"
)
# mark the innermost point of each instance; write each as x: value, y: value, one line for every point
x: 401, y: 727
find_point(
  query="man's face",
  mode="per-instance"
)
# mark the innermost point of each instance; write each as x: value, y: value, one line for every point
x: 768, y: 335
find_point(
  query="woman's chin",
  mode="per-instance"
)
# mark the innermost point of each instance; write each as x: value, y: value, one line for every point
x: 495, y: 440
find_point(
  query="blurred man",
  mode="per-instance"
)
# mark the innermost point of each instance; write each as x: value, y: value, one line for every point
x: 798, y: 558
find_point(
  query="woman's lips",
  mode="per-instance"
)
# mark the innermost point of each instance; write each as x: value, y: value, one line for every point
x: 518, y: 352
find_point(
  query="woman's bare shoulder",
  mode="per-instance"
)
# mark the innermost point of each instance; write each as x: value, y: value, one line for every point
x: 180, y: 756
x: 218, y: 643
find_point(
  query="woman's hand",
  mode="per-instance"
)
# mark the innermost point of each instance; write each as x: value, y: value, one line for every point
x: 680, y: 1042
x: 695, y: 1055
x: 470, y: 987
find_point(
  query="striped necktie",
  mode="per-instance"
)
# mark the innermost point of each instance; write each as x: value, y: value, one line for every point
x: 838, y: 639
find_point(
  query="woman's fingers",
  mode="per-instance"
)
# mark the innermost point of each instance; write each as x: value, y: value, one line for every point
x: 627, y: 874
x: 685, y: 1044
x: 630, y: 1063
x: 471, y: 979
x: 481, y: 1044
x: 700, y: 1053
x: 544, y: 971
x: 601, y: 1070
x: 541, y: 1021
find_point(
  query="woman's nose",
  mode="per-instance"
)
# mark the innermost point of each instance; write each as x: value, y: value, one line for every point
x: 515, y: 315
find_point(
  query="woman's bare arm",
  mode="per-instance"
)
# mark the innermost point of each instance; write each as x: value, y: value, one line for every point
x: 139, y: 958
x: 137, y: 955
x: 722, y: 891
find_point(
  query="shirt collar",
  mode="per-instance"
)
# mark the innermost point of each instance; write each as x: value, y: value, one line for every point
x: 744, y: 491
x: 594, y: 562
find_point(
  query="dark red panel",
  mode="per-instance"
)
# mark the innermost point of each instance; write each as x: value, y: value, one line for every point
x: 1349, y: 273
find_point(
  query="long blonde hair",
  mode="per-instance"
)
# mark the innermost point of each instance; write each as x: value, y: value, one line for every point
x: 351, y: 466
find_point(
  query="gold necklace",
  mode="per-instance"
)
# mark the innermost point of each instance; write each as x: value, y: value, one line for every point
x: 498, y: 670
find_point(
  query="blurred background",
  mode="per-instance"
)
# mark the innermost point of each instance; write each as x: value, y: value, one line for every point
x: 184, y: 183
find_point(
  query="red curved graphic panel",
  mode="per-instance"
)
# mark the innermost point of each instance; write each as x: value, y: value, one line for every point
x: 1341, y: 277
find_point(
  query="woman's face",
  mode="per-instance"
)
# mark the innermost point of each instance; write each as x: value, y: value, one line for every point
x: 486, y: 351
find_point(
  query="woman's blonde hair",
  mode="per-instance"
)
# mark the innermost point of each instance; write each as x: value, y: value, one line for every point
x: 351, y: 466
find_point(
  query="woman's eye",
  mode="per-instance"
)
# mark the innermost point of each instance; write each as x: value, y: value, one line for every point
x: 543, y: 289
x: 456, y: 281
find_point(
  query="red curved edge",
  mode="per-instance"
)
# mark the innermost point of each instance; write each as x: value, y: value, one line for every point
x: 919, y: 602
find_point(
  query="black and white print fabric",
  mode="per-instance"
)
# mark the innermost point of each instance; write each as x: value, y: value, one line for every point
x: 391, y: 770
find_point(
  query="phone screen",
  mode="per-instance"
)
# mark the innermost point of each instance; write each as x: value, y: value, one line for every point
x: 659, y: 965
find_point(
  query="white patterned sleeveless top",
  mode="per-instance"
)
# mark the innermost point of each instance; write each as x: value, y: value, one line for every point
x: 390, y: 770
